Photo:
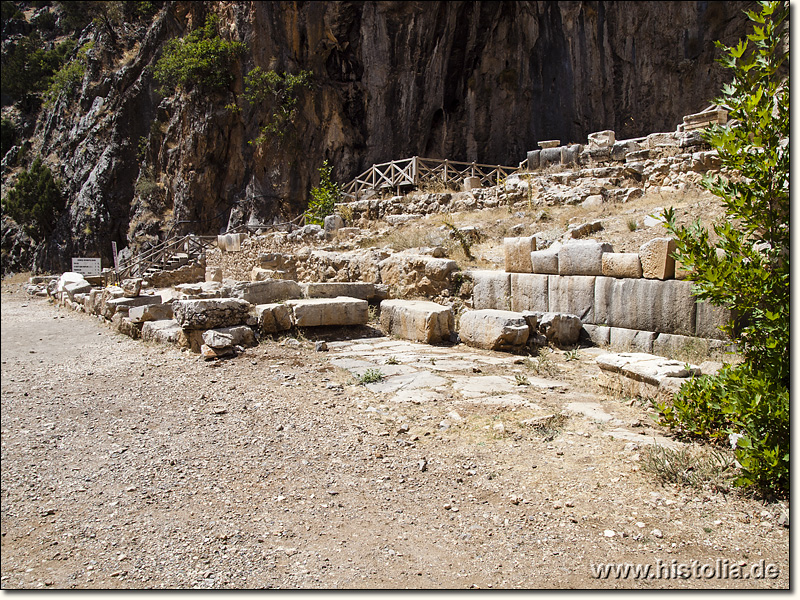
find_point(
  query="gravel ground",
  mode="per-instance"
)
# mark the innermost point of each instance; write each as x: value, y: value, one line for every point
x: 128, y: 465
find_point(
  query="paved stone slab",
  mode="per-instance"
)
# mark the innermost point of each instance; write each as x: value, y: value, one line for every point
x: 417, y: 320
x: 320, y: 312
x: 592, y: 410
x: 409, y: 381
x: 483, y: 385
x: 643, y: 440
x: 644, y: 367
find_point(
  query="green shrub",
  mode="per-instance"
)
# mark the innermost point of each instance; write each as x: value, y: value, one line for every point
x: 28, y: 67
x: 9, y: 135
x: 201, y: 58
x: 370, y: 376
x: 747, y: 270
x: 324, y: 197
x: 280, y: 92
x: 35, y: 201
x: 69, y: 77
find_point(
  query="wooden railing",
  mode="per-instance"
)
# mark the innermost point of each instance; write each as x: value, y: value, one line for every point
x: 417, y: 171
x: 157, y: 256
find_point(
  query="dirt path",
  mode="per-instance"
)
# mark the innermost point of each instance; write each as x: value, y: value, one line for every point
x: 127, y: 465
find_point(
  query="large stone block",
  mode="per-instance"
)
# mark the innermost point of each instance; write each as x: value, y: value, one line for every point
x: 573, y: 295
x: 600, y: 335
x: 493, y: 329
x: 582, y: 257
x: 225, y: 337
x: 112, y: 305
x: 545, y: 262
x: 272, y: 318
x: 622, y: 264
x: 601, y: 139
x: 491, y: 289
x: 354, y: 289
x: 321, y: 312
x: 210, y: 313
x: 77, y: 287
x: 631, y: 340
x: 417, y: 274
x: 518, y: 253
x: 417, y: 320
x: 529, y: 292
x: 657, y: 262
x: 162, y: 332
x: 533, y: 159
x: 560, y: 329
x: 131, y: 287
x: 645, y: 304
x: 266, y: 292
x: 150, y: 312
x: 709, y: 319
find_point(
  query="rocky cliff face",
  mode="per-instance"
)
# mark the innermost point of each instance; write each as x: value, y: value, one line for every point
x: 463, y: 80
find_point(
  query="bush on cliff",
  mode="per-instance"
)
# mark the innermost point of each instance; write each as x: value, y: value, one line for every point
x: 35, y: 201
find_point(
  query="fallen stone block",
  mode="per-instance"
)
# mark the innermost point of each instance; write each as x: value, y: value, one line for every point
x: 224, y: 337
x: 572, y: 295
x: 600, y: 335
x: 645, y: 367
x: 657, y: 262
x: 417, y: 274
x: 322, y: 312
x: 210, y: 353
x: 214, y: 274
x: 150, y: 312
x: 582, y: 257
x: 662, y: 140
x: 273, y: 318
x: 622, y: 265
x: 529, y: 292
x: 211, y: 313
x: 518, y: 254
x: 601, y: 139
x: 631, y: 340
x: 114, y: 304
x: 545, y: 262
x: 493, y: 329
x: 131, y: 287
x: 266, y: 292
x: 162, y: 332
x: 490, y: 289
x: 77, y: 287
x: 354, y: 289
x: 126, y: 327
x: 417, y: 320
x: 560, y: 329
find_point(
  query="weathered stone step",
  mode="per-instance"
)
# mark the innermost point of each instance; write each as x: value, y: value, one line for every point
x: 322, y: 312
x: 417, y: 320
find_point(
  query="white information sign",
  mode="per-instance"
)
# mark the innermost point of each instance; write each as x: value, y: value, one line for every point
x: 86, y: 266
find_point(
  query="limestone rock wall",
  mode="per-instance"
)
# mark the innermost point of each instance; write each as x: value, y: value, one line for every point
x: 461, y: 80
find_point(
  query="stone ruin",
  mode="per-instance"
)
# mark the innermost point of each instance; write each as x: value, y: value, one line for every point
x: 566, y: 292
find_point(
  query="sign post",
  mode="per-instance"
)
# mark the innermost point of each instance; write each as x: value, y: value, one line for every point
x: 86, y: 266
x: 114, y: 252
